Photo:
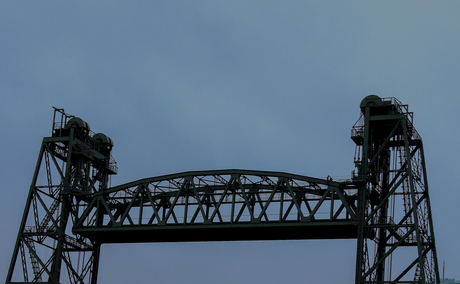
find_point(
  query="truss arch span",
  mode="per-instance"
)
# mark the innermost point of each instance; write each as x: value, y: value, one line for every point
x: 220, y: 205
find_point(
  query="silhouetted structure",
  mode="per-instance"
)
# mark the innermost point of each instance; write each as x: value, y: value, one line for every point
x: 71, y: 210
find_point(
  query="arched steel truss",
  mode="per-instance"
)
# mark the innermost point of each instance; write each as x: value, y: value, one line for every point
x: 220, y: 205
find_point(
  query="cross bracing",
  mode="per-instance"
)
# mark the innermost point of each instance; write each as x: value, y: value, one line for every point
x: 71, y: 211
x: 397, y: 243
x: 219, y: 203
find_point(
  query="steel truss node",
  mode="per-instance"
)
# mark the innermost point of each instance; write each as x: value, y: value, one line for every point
x: 71, y: 211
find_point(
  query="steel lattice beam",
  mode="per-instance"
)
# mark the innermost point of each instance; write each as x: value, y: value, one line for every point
x: 220, y: 205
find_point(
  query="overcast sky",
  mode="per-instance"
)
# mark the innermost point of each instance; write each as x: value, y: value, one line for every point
x: 197, y: 85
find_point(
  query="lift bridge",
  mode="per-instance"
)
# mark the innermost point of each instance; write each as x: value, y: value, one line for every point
x: 71, y: 210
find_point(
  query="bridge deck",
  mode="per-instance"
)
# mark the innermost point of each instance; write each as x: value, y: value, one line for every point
x: 222, y: 232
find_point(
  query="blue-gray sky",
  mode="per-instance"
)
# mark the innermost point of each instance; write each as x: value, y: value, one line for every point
x: 263, y: 85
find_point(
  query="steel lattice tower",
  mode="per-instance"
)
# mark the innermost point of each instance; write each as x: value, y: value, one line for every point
x: 385, y: 205
x: 73, y: 163
x: 395, y: 237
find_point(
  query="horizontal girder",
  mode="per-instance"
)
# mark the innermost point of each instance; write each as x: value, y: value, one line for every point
x: 223, y: 232
x: 220, y: 205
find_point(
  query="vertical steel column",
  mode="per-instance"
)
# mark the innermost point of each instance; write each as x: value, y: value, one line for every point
x: 361, y: 256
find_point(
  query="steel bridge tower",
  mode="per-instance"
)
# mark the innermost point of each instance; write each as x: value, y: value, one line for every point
x: 393, y: 201
x: 71, y: 210
x: 72, y: 164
